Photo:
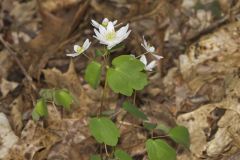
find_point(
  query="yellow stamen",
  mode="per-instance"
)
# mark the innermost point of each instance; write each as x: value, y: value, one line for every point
x: 104, y: 24
x: 110, y: 36
x: 80, y: 50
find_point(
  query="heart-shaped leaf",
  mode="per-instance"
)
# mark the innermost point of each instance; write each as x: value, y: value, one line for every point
x: 122, y: 155
x: 63, y: 98
x: 180, y: 135
x: 95, y: 157
x: 159, y: 150
x: 93, y: 74
x: 104, y: 131
x: 40, y: 109
x: 126, y: 75
x: 133, y: 110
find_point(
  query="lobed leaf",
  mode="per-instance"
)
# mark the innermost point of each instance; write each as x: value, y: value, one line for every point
x: 93, y: 74
x: 104, y: 131
x: 126, y: 75
x: 159, y: 150
x: 180, y: 135
x: 63, y: 98
x: 133, y: 110
x: 122, y: 155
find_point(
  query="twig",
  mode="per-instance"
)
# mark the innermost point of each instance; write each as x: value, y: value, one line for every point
x: 13, y: 54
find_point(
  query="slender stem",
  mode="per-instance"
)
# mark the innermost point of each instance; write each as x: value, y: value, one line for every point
x: 105, y: 85
x: 101, y: 154
x: 103, y: 97
x: 106, y: 151
x: 159, y: 136
x: 134, y: 97
x: 87, y: 56
x: 142, y: 54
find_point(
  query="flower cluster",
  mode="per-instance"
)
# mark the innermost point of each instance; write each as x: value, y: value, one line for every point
x: 106, y: 34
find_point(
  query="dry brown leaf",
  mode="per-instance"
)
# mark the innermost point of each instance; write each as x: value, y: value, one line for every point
x: 7, y: 136
x: 221, y: 45
x: 71, y: 81
x: 53, y: 5
x: 16, y: 114
x: 35, y: 142
x: 7, y: 86
x: 51, y: 38
x: 5, y: 63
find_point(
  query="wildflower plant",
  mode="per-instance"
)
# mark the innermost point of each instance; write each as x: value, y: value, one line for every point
x: 125, y: 75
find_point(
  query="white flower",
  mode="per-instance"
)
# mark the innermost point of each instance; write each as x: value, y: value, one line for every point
x: 150, y: 66
x: 108, y: 36
x: 79, y: 50
x: 150, y: 49
x: 104, y: 23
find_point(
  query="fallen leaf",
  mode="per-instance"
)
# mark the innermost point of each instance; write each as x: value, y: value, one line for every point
x: 7, y: 136
x: 7, y: 86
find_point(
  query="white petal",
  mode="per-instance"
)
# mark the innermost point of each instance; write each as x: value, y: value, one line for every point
x: 110, y: 27
x: 157, y: 56
x: 98, y: 35
x: 102, y: 30
x: 76, y: 48
x: 151, y: 65
x: 127, y: 34
x: 122, y: 31
x: 144, y: 42
x: 143, y: 59
x: 111, y: 45
x: 86, y: 44
x: 144, y: 47
x: 73, y: 54
x: 105, y: 20
x: 95, y: 24
x: 115, y: 22
x: 151, y: 49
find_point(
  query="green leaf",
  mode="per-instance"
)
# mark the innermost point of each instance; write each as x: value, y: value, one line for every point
x: 41, y: 108
x: 180, y: 135
x: 126, y: 75
x: 35, y: 116
x: 93, y: 74
x: 63, y: 98
x: 122, y: 155
x: 133, y: 110
x: 47, y: 94
x: 159, y: 150
x: 163, y: 128
x: 149, y: 126
x: 104, y: 131
x: 95, y: 157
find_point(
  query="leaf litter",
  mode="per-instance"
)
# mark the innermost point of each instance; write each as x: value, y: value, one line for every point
x: 196, y: 84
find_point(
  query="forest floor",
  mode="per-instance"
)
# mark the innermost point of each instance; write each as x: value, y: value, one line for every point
x: 196, y: 84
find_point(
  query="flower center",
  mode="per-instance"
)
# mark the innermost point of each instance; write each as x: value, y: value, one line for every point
x: 104, y: 24
x: 80, y: 50
x: 110, y: 36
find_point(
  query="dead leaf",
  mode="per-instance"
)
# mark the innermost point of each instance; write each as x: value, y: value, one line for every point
x: 7, y: 86
x: 7, y: 136
x: 35, y: 142
x: 16, y: 114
